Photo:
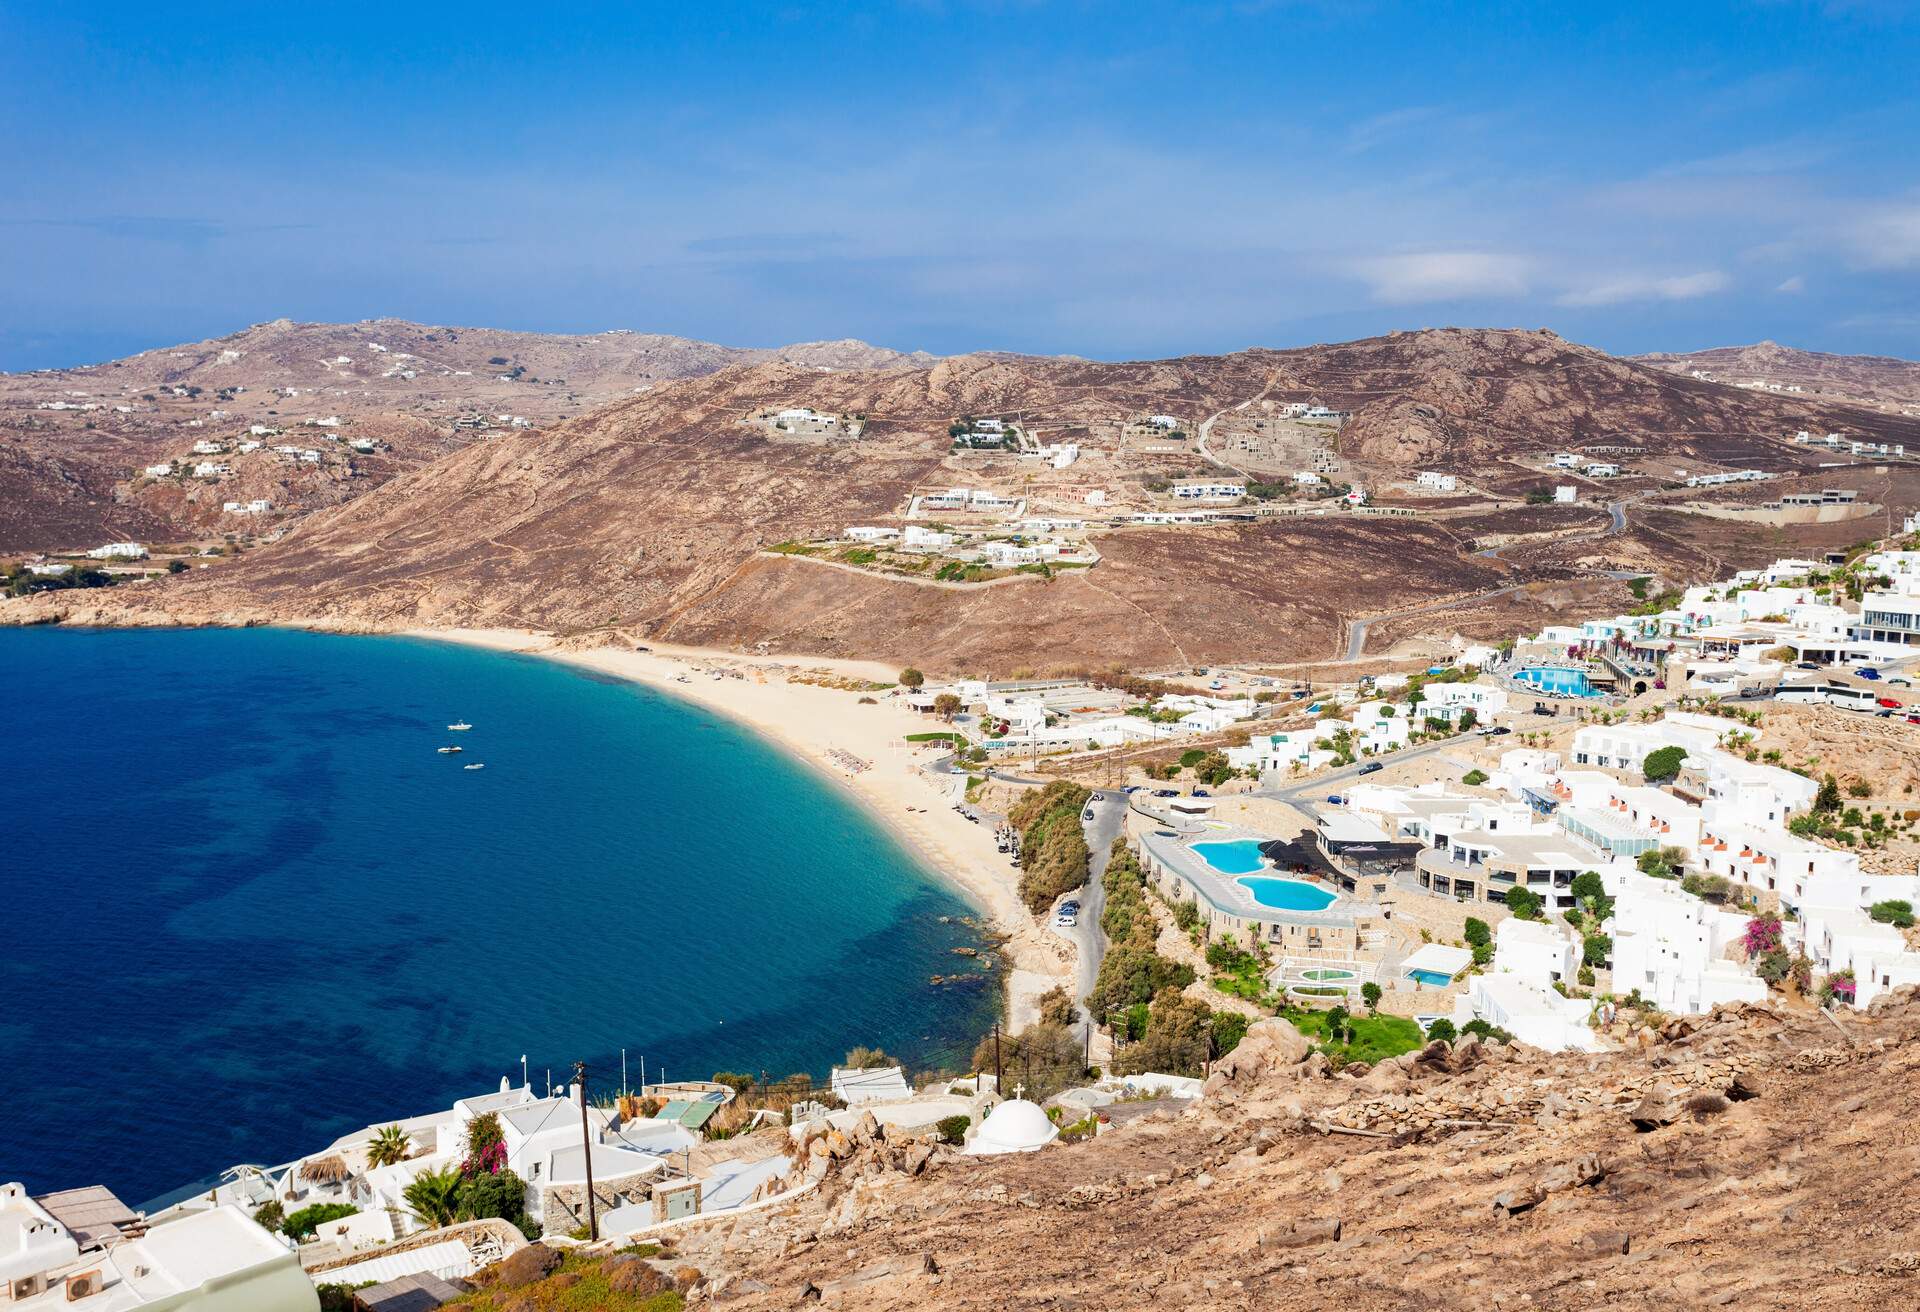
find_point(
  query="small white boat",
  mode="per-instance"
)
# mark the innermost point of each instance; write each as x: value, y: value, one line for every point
x: 477, y: 765
x: 461, y: 727
x: 449, y: 751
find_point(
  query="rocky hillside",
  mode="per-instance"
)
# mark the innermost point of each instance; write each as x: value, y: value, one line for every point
x: 1879, y: 381
x: 416, y: 390
x: 656, y: 515
x: 1762, y: 1156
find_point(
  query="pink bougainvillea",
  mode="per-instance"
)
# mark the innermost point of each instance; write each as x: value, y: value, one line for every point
x: 1762, y: 936
x: 491, y: 1160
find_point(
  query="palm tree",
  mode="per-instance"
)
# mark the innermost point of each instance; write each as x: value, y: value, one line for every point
x: 434, y: 1196
x: 388, y: 1145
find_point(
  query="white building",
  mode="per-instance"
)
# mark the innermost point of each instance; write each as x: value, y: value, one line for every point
x: 160, y: 470
x: 1565, y: 494
x: 873, y: 533
x: 854, y: 1085
x: 1601, y: 469
x: 917, y: 538
x: 218, y: 1260
x: 1015, y: 1126
x: 1565, y: 460
x: 1540, y: 953
x: 211, y: 469
x: 207, y: 448
x: 1671, y: 947
x: 1434, y: 481
x: 1532, y: 1013
x: 119, y: 551
x: 1202, y: 489
x: 1307, y: 478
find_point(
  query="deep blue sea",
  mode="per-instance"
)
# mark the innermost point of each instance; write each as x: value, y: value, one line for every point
x: 250, y: 908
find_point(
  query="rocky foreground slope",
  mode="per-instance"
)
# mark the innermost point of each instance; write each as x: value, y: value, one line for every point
x: 1755, y: 1157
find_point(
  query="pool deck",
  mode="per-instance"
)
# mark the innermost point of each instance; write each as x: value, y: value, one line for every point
x: 1228, y: 895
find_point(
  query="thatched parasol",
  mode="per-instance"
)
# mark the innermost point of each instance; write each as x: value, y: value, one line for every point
x: 325, y: 1170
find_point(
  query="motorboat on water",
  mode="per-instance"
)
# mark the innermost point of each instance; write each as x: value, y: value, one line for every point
x: 449, y: 751
x: 461, y: 727
x: 477, y: 765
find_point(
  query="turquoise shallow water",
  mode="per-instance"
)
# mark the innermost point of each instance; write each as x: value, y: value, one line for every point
x: 252, y: 908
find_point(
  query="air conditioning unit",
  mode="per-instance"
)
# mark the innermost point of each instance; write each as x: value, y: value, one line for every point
x: 84, y: 1284
x: 19, y: 1291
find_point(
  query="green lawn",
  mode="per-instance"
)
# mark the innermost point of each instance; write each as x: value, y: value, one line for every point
x: 953, y: 738
x: 1374, y: 1037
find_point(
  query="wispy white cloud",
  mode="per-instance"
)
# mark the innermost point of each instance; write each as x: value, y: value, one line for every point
x: 1885, y: 237
x: 1797, y: 283
x: 1643, y: 287
x: 1426, y: 276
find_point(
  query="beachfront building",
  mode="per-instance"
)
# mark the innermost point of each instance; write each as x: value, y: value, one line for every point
x: 86, y: 1248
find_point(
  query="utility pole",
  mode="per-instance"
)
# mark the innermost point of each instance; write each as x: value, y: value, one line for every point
x: 586, y: 1150
x: 996, y: 1059
x: 623, y: 1073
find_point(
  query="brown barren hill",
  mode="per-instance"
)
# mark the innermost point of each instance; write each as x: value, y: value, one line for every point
x: 659, y: 513
x: 1883, y: 382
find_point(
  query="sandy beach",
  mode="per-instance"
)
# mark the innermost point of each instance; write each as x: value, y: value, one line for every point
x: 814, y: 723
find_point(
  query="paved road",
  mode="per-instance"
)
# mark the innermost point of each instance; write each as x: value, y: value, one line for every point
x: 1109, y: 818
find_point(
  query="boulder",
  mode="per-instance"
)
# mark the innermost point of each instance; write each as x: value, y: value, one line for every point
x: 532, y: 1263
x: 633, y: 1275
x: 1269, y: 1046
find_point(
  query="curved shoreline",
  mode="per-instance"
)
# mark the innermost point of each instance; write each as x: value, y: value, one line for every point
x: 809, y: 722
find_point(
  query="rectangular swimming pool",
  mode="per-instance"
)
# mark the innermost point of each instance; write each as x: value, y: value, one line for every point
x: 1432, y: 977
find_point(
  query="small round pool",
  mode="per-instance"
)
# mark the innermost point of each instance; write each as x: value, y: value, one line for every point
x: 1288, y: 894
x: 1326, y: 972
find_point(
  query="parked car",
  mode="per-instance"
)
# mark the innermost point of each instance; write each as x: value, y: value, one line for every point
x: 1806, y: 665
x: 1087, y: 814
x: 1501, y: 731
x: 1883, y: 714
x: 1334, y: 799
x: 1165, y: 792
x: 1201, y: 792
x: 1888, y: 701
x: 1867, y: 672
x: 1066, y: 919
x: 1131, y: 789
x: 1913, y: 719
x: 1371, y: 766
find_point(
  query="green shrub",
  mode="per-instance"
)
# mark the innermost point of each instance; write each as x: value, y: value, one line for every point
x: 1229, y: 1027
x: 1897, y: 913
x: 1371, y: 993
x: 303, y: 1223
x: 1662, y: 764
x: 1191, y: 757
x: 489, y: 1195
x: 1442, y: 1029
x: 1477, y: 932
x: 1523, y: 903
x: 1053, y: 846
x: 1596, y: 950
x: 953, y: 1129
x: 270, y: 1215
x: 1474, y: 778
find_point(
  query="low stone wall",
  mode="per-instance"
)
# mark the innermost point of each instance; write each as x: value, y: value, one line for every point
x: 563, y: 1208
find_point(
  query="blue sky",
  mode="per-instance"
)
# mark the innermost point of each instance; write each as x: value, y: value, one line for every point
x: 1102, y: 179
